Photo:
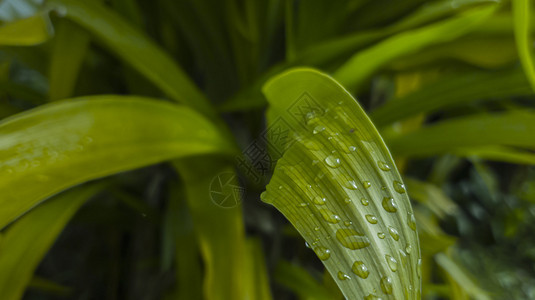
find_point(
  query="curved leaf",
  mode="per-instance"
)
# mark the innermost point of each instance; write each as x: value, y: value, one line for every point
x: 27, y: 241
x: 60, y: 145
x: 521, y: 14
x: 136, y: 49
x: 358, y: 68
x: 26, y: 32
x: 512, y: 128
x: 338, y: 185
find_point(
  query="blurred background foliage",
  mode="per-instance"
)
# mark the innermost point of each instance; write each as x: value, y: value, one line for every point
x: 448, y: 83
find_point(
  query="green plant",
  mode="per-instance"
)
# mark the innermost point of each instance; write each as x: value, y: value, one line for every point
x: 123, y: 122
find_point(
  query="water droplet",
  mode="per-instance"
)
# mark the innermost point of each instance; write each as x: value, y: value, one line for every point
x: 366, y: 184
x: 348, y: 223
x: 316, y: 228
x: 393, y: 233
x: 348, y: 182
x: 386, y: 285
x: 411, y: 221
x: 408, y: 249
x: 343, y: 276
x: 263, y: 196
x: 307, y: 245
x: 372, y: 219
x: 302, y: 204
x: 381, y: 235
x: 322, y: 252
x: 372, y: 297
x: 364, y: 201
x: 311, y: 145
x: 352, y: 239
x: 392, y: 263
x: 419, y: 268
x: 352, y: 148
x: 318, y: 200
x: 347, y: 200
x: 332, y: 161
x: 389, y: 205
x: 383, y: 166
x: 280, y: 187
x: 318, y: 129
x: 399, y: 187
x: 360, y: 269
x: 329, y: 216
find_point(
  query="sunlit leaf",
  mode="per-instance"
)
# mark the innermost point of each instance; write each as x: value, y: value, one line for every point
x: 353, y: 73
x: 521, y: 13
x: 26, y: 242
x: 337, y: 184
x: 60, y: 145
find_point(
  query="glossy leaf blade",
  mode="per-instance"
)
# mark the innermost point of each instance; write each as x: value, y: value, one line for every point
x: 60, y: 145
x: 338, y: 185
x: 26, y: 242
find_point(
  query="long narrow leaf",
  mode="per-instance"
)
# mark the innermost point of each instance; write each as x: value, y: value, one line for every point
x: 26, y: 242
x: 60, y: 145
x: 338, y: 185
x: 521, y: 12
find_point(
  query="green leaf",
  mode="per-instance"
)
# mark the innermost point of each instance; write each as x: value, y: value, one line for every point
x: 219, y: 230
x: 257, y: 276
x: 338, y: 185
x: 431, y: 196
x: 511, y: 128
x: 300, y: 282
x: 56, y: 146
x: 453, y: 90
x: 69, y: 50
x: 498, y: 153
x: 353, y: 73
x: 27, y: 241
x: 136, y: 49
x: 521, y: 15
x: 26, y: 32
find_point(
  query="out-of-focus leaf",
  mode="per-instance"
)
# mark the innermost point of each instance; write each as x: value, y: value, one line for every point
x: 512, y: 128
x: 521, y: 13
x: 48, y: 286
x: 300, y: 282
x: 453, y: 90
x: 433, y: 239
x: 60, y: 145
x: 338, y: 185
x: 26, y: 242
x: 353, y: 73
x: 219, y: 230
x: 258, y: 286
x: 11, y: 10
x: 26, y: 32
x: 70, y: 47
x: 499, y: 153
x: 461, y: 277
x: 136, y: 49
x: 180, y: 236
x: 431, y: 196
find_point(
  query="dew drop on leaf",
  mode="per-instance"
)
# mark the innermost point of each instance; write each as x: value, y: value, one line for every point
x: 381, y: 235
x: 389, y: 205
x: 366, y: 184
x: 399, y: 187
x: 364, y: 201
x: 329, y: 216
x: 343, y: 276
x: 360, y: 269
x: 318, y: 200
x: 393, y: 233
x: 383, y: 166
x: 372, y: 219
x: 322, y: 252
x: 318, y: 129
x: 386, y: 285
x: 392, y: 263
x: 332, y: 161
x: 352, y: 239
x: 411, y: 221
